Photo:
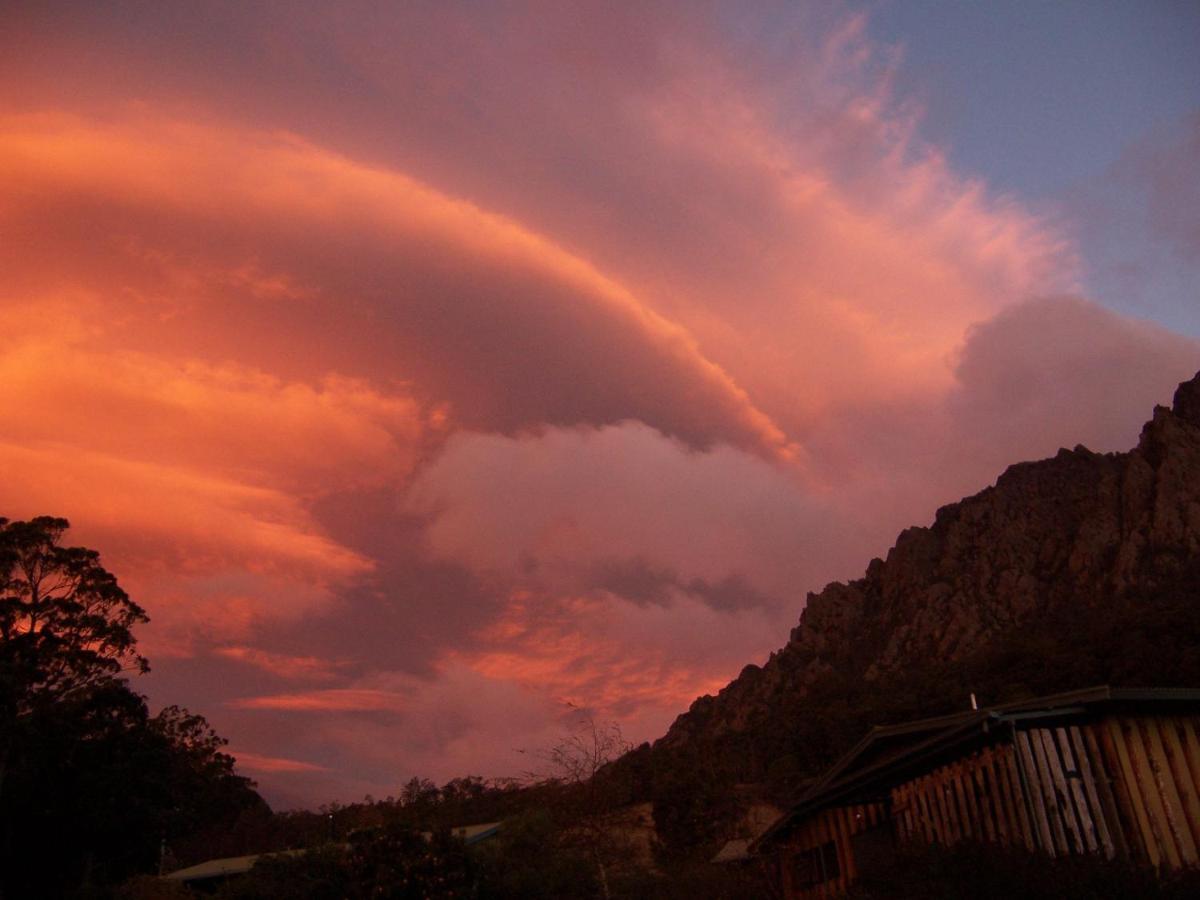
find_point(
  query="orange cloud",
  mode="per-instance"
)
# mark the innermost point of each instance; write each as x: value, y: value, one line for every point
x: 195, y: 479
x: 332, y: 700
x: 187, y: 519
x: 273, y: 765
x: 228, y: 420
x: 563, y: 388
x: 417, y: 239
x: 300, y: 668
x: 601, y: 652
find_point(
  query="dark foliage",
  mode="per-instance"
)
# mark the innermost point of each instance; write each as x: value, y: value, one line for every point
x: 690, y: 880
x: 90, y: 783
x: 530, y: 859
x: 988, y: 872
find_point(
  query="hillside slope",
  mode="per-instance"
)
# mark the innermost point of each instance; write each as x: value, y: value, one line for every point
x: 1078, y: 569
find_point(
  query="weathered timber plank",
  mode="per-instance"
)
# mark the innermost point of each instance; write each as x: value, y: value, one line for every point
x: 937, y: 811
x: 1185, y: 783
x: 1164, y: 777
x: 1088, y: 775
x: 1034, y: 798
x: 1062, y: 792
x: 916, y: 826
x: 1014, y: 799
x: 1191, y: 745
x: 956, y: 816
x: 1118, y: 805
x: 928, y: 825
x: 1156, y: 803
x: 845, y: 850
x: 1073, y: 771
x: 1141, y: 786
x: 1005, y: 830
x: 1011, y: 792
x: 949, y: 827
x: 906, y: 824
x: 967, y: 780
x: 1049, y: 797
x: 983, y: 795
x: 958, y: 788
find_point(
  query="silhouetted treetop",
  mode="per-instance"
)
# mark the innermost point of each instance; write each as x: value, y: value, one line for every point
x: 65, y: 623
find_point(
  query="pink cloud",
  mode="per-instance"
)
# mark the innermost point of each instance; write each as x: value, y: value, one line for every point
x: 564, y: 501
x: 604, y: 653
x: 273, y: 765
x: 431, y: 250
x: 300, y: 668
x: 332, y: 700
x: 567, y: 386
x: 1065, y: 370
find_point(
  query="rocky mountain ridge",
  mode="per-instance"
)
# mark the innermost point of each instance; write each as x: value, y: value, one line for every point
x: 1063, y: 540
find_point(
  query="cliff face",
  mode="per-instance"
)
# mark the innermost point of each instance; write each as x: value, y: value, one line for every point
x: 1069, y: 536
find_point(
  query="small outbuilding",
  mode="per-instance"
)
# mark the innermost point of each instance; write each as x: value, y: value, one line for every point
x: 213, y: 872
x: 1108, y: 771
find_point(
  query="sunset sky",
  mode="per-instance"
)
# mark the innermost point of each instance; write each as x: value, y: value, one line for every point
x: 432, y: 371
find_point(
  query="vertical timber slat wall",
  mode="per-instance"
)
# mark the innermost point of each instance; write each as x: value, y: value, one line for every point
x: 971, y: 799
x: 1050, y: 790
x: 1155, y: 762
x: 1124, y: 786
x: 1070, y: 788
x: 1089, y: 840
x: 1017, y: 794
x: 1135, y: 820
x: 1100, y: 812
x: 1182, y: 775
x: 1168, y: 787
x: 837, y: 826
x: 1108, y: 790
x: 1031, y: 792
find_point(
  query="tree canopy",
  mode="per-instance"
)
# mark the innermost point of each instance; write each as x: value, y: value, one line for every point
x: 91, y: 784
x: 65, y: 623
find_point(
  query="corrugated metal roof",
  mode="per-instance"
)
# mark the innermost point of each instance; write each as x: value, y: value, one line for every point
x: 222, y: 868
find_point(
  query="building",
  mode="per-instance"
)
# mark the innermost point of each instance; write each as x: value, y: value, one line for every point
x: 210, y: 874
x: 214, y: 872
x: 1108, y: 771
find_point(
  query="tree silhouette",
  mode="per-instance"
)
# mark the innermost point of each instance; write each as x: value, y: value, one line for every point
x: 579, y: 762
x: 65, y: 623
x: 81, y: 758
